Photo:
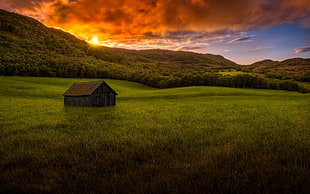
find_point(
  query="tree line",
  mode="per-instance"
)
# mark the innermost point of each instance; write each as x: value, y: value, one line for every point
x: 158, y: 78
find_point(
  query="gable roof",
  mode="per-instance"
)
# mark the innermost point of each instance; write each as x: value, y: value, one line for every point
x: 85, y: 88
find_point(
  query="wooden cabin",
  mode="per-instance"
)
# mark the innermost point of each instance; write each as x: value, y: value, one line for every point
x: 90, y: 94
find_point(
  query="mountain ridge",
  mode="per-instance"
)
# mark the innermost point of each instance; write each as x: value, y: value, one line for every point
x: 22, y: 29
x: 293, y: 67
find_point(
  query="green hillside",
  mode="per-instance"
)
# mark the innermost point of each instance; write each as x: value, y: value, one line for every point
x: 180, y: 59
x: 181, y: 140
x: 296, y: 68
x: 29, y: 48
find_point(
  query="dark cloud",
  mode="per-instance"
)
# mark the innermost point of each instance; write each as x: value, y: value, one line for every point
x: 189, y: 48
x: 62, y: 10
x: 302, y: 50
x: 240, y: 39
x: 151, y: 35
x: 187, y: 35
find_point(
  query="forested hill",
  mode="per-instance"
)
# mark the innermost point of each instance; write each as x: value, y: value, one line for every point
x: 180, y: 59
x: 23, y: 36
x: 28, y: 48
x: 295, y: 67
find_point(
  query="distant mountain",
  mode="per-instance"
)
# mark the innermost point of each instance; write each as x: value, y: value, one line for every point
x: 180, y: 59
x: 259, y: 65
x: 295, y: 67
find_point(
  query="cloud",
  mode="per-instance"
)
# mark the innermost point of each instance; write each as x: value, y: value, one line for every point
x: 37, y: 9
x: 134, y: 16
x: 25, y: 5
x: 302, y: 50
x: 121, y: 16
x: 182, y: 20
x: 240, y: 39
x: 189, y: 48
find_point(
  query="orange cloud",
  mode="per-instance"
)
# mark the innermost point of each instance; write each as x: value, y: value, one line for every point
x: 132, y: 16
x: 117, y: 21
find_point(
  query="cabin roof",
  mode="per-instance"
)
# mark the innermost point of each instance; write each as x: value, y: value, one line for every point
x: 86, y: 88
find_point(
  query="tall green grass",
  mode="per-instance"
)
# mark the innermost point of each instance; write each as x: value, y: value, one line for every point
x: 181, y: 140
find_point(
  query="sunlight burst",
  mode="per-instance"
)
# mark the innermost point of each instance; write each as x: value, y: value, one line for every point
x: 95, y: 40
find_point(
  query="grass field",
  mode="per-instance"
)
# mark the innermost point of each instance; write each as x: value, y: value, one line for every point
x: 231, y: 72
x: 181, y: 140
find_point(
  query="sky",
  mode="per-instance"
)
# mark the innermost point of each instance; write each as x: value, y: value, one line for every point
x: 244, y: 31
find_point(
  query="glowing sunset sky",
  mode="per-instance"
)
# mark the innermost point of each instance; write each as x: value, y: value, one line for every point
x: 244, y: 31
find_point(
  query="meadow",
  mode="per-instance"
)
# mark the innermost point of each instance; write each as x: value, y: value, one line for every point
x: 179, y: 140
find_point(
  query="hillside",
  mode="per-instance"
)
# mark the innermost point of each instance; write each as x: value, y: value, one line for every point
x: 21, y: 36
x: 297, y: 68
x: 180, y: 59
x: 28, y: 48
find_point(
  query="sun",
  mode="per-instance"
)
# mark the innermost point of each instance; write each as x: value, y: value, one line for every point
x: 95, y: 40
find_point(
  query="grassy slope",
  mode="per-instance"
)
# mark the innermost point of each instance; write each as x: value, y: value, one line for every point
x: 190, y: 139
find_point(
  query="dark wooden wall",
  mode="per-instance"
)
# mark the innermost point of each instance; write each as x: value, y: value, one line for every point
x: 77, y: 100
